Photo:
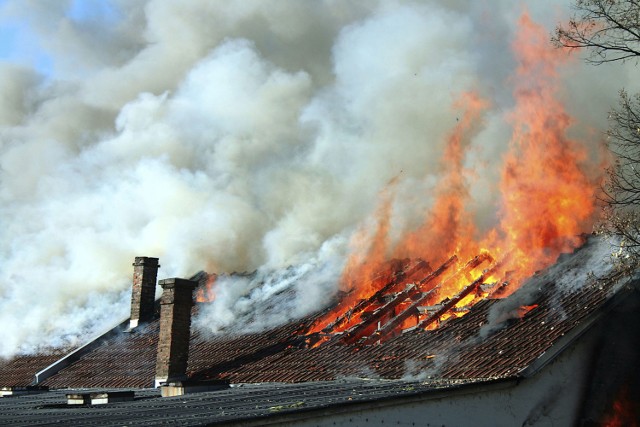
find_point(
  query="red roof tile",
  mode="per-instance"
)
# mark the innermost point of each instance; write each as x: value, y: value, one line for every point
x: 461, y: 348
x: 20, y: 370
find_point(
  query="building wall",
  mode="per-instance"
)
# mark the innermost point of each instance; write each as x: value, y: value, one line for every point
x: 613, y: 396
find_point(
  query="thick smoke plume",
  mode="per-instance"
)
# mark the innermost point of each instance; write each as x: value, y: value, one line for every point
x: 242, y: 135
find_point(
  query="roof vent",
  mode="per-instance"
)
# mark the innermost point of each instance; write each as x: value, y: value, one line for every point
x: 78, y: 398
x: 111, y: 397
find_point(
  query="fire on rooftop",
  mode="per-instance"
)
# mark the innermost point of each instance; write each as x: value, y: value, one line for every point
x: 509, y: 323
x: 445, y: 266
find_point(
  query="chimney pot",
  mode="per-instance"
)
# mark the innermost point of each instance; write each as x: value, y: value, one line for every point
x: 175, y: 329
x: 143, y: 291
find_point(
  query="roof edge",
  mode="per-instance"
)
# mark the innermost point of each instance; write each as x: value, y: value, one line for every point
x: 302, y: 414
x: 627, y: 289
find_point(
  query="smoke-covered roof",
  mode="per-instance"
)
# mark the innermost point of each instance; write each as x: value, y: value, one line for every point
x: 495, y: 339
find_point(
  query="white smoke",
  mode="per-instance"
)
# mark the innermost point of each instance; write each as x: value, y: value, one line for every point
x: 232, y: 136
x: 271, y: 297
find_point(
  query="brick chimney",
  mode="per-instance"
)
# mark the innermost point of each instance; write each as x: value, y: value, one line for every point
x: 143, y: 291
x: 175, y: 329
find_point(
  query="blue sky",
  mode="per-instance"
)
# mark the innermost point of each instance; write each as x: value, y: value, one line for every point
x: 10, y: 33
x: 7, y: 40
x: 20, y: 44
x: 84, y: 10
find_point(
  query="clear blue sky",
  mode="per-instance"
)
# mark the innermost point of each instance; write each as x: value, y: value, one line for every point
x: 19, y: 43
x: 8, y: 36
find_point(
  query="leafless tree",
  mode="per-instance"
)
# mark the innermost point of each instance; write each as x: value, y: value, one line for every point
x: 621, y: 191
x: 609, y: 30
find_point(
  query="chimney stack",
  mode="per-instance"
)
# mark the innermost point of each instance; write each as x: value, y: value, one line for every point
x: 175, y: 329
x: 143, y: 292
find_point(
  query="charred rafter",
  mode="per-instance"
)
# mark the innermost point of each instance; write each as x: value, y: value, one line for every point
x: 395, y: 323
x: 412, y: 293
x: 375, y: 323
x: 448, y: 305
x: 392, y: 286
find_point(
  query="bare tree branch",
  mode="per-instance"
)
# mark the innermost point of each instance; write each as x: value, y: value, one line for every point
x: 609, y: 30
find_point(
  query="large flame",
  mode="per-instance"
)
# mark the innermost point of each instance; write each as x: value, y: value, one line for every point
x: 548, y: 199
x: 447, y: 227
x: 547, y: 202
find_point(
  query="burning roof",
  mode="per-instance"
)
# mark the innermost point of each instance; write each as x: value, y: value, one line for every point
x: 398, y: 333
x: 459, y: 287
x: 467, y: 145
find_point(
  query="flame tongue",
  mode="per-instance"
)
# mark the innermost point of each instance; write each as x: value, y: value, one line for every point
x: 548, y: 199
x: 206, y: 292
x: 547, y: 202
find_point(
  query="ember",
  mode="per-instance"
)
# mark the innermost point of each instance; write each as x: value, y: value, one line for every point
x: 623, y: 414
x: 523, y: 310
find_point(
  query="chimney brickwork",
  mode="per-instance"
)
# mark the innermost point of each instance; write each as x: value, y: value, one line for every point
x: 143, y: 292
x: 175, y: 329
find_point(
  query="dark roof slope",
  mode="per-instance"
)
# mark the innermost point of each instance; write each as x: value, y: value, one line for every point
x: 257, y: 403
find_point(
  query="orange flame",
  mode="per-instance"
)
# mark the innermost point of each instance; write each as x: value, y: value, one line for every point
x: 365, y: 265
x: 524, y: 309
x: 447, y: 229
x: 207, y: 293
x: 547, y: 198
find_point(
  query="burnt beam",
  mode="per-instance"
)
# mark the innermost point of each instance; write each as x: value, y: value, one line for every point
x: 422, y: 298
x: 411, y: 293
x: 448, y: 305
x: 390, y: 287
